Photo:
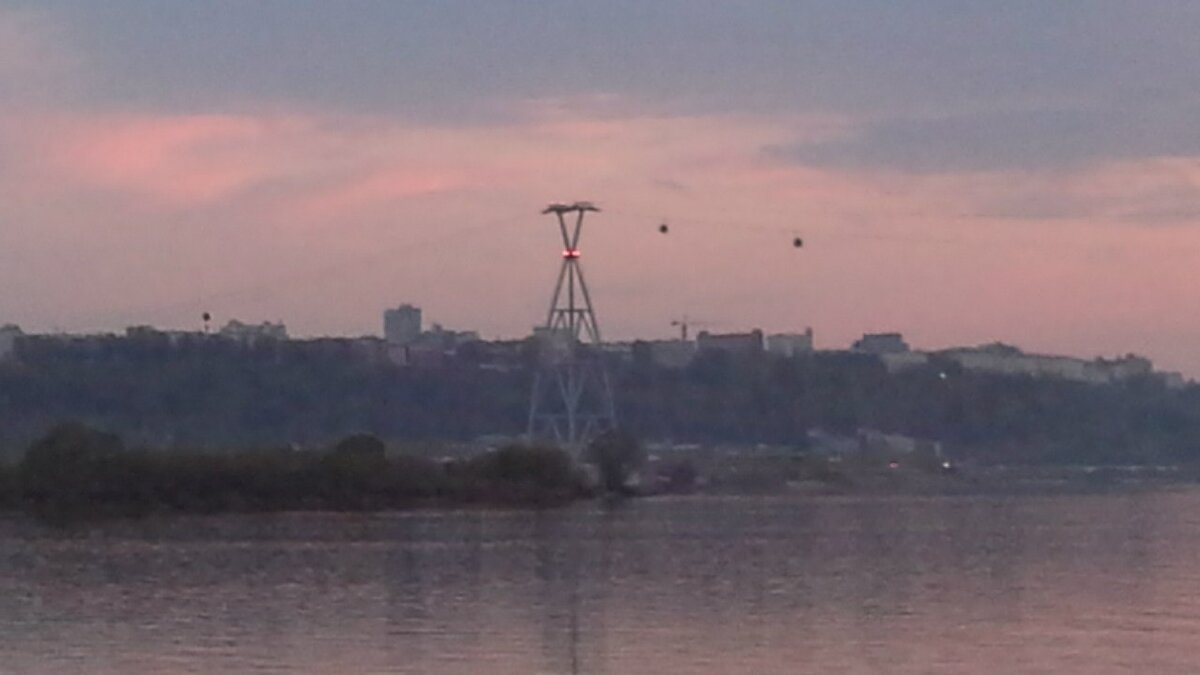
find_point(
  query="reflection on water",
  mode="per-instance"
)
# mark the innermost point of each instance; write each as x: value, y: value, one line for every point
x: 1086, y: 584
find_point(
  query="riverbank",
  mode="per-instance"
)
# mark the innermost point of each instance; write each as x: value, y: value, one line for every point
x: 77, y: 473
x: 720, y: 471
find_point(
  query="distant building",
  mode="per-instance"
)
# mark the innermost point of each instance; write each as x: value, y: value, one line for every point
x: 881, y: 343
x: 504, y: 355
x: 1008, y: 360
x: 143, y: 332
x: 790, y: 344
x: 402, y: 326
x: 1130, y: 365
x: 446, y: 340
x: 416, y: 355
x: 900, y: 361
x: 9, y: 334
x: 251, y: 333
x: 616, y: 351
x: 732, y: 343
x: 666, y: 353
x: 150, y: 334
x: 1173, y: 379
x: 367, y: 349
x: 408, y: 345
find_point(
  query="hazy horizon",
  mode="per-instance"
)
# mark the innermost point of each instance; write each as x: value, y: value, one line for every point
x: 960, y: 172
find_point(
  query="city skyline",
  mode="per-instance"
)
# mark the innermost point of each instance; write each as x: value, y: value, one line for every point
x: 959, y: 173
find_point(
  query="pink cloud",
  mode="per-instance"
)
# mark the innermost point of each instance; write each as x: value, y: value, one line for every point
x: 373, y: 189
x: 176, y: 159
x: 318, y: 166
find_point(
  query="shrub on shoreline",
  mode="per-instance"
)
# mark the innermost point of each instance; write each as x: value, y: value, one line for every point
x: 516, y: 474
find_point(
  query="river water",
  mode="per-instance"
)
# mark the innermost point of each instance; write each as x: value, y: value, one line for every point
x: 1055, y: 584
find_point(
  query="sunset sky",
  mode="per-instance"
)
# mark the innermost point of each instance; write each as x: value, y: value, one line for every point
x: 961, y: 171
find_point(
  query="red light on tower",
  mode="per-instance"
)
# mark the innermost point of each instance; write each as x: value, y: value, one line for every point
x: 571, y: 253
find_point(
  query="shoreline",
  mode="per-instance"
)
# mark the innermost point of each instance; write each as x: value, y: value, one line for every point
x: 1031, y: 487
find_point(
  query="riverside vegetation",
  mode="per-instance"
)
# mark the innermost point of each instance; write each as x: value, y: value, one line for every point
x: 76, y: 472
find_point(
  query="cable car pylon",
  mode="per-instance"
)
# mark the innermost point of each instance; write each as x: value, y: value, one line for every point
x: 572, y: 399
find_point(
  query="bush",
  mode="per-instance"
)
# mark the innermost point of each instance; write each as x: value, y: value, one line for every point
x: 75, y: 470
x: 355, y: 474
x: 520, y: 474
x: 410, y: 478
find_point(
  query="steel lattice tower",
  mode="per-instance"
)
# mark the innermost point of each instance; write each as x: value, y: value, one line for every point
x: 572, y: 400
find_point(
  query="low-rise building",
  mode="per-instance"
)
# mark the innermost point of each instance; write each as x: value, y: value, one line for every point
x: 666, y: 353
x: 1173, y: 379
x: 1008, y: 360
x: 790, y: 344
x: 367, y: 349
x: 1130, y: 365
x: 896, y: 362
x: 741, y: 344
x: 416, y: 355
x: 616, y: 352
x: 251, y: 333
x: 447, y: 340
x: 881, y: 343
x: 500, y: 355
x: 407, y: 345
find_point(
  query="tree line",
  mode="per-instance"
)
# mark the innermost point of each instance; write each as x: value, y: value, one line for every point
x: 231, y: 398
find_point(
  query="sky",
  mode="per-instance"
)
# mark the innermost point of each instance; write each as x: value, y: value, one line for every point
x: 960, y: 171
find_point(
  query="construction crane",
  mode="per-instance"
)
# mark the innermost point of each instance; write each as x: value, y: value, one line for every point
x: 683, y: 322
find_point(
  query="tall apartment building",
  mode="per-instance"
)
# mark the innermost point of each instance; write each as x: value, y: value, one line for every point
x: 402, y: 326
